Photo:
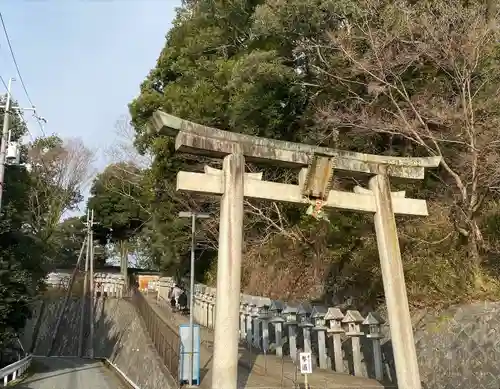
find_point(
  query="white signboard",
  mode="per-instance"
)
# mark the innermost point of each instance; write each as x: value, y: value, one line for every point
x: 305, y: 363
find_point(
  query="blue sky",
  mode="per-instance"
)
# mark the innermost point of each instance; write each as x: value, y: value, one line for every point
x: 83, y: 61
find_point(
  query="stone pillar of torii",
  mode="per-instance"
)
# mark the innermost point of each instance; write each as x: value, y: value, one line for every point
x: 317, y: 166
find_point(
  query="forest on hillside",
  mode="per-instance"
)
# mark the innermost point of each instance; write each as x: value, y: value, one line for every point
x: 400, y: 78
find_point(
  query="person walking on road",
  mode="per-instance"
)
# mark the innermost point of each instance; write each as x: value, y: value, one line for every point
x: 174, y: 296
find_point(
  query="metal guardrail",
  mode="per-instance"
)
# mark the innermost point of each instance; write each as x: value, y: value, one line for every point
x: 165, y: 339
x: 14, y: 370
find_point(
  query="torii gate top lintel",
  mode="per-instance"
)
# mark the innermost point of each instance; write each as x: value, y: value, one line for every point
x: 203, y: 140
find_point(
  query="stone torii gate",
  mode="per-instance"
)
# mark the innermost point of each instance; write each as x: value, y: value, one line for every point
x: 317, y: 166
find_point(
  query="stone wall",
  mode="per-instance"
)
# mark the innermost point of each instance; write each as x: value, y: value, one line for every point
x: 118, y: 336
x: 459, y: 348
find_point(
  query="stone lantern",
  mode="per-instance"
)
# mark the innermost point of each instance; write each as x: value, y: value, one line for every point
x: 243, y: 319
x: 353, y: 320
x: 374, y: 322
x: 290, y: 314
x: 264, y: 316
x: 334, y: 316
x: 275, y: 310
x: 304, y: 311
x: 256, y: 324
x: 250, y: 324
x: 304, y: 318
x: 318, y: 314
x: 211, y: 311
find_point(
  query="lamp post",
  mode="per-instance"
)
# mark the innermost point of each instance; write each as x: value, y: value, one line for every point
x: 193, y: 216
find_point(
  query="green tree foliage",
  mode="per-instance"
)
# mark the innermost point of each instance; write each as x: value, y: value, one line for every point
x: 34, y: 200
x: 395, y: 78
x: 67, y: 241
x: 117, y: 199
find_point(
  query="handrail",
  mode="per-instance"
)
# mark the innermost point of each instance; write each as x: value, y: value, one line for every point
x: 121, y: 375
x: 165, y: 338
x: 14, y: 370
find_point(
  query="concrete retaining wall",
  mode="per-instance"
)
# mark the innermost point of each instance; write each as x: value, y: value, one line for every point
x: 119, y: 336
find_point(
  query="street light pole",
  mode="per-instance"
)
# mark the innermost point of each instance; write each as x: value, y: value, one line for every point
x: 193, y: 216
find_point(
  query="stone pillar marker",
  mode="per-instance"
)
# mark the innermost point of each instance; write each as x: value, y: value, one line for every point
x: 315, y: 181
x: 225, y: 362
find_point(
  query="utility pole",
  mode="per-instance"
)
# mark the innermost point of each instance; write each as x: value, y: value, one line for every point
x: 5, y: 133
x: 88, y: 287
x: 84, y: 293
x: 193, y: 217
x: 68, y: 294
x: 90, y: 224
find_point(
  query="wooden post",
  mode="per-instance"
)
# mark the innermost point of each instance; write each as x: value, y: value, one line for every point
x: 391, y: 264
x: 225, y: 360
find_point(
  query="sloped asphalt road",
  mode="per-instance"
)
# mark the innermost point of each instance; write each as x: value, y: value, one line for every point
x: 69, y: 373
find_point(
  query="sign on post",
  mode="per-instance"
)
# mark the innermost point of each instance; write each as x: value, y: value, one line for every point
x: 188, y: 353
x: 305, y: 363
x: 305, y: 366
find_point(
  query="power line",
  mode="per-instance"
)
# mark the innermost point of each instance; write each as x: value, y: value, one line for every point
x: 4, y: 83
x: 38, y: 119
x: 15, y: 61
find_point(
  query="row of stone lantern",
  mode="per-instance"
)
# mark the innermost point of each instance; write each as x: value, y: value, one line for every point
x: 260, y: 315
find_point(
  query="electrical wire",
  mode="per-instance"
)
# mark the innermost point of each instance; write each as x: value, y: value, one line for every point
x: 4, y: 84
x: 19, y: 75
x: 15, y: 61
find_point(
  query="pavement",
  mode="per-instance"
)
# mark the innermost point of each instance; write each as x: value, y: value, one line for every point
x: 259, y: 370
x: 68, y: 373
